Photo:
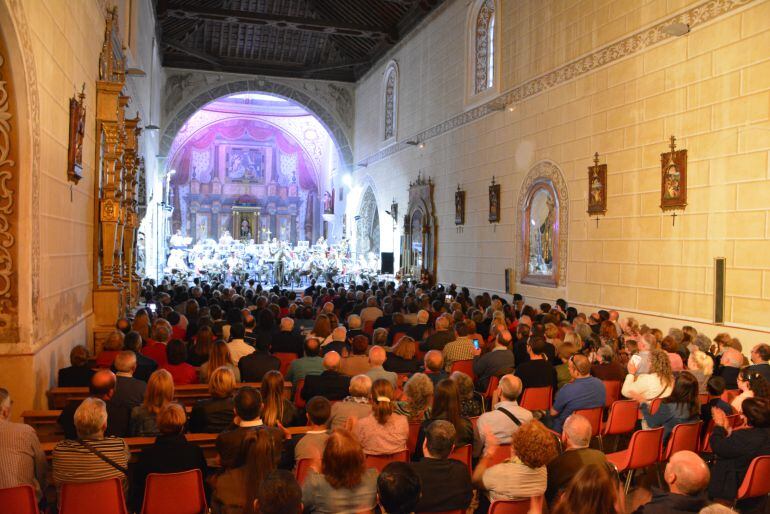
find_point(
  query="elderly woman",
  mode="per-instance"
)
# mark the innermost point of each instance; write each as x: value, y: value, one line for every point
x: 215, y: 414
x: 702, y: 367
x: 470, y: 404
x: 356, y: 405
x: 419, y: 393
x: 380, y: 337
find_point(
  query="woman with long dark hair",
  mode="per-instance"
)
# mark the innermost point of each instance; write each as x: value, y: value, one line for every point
x: 682, y: 406
x: 275, y: 408
x: 446, y: 406
x: 593, y: 490
x: 752, y: 385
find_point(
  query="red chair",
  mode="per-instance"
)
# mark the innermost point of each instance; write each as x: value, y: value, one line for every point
x: 369, y: 327
x: 397, y: 337
x: 685, y: 436
x: 755, y: 483
x: 502, y: 453
x: 298, y: 401
x: 612, y: 392
x: 181, y: 493
x: 621, y: 419
x: 464, y: 454
x: 655, y: 405
x: 522, y: 506
x: 537, y: 398
x: 730, y: 394
x: 303, y: 468
x: 103, y: 497
x: 703, y: 398
x: 643, y: 451
x: 286, y: 359
x: 414, y: 432
x: 464, y: 366
x: 19, y: 500
x: 594, y: 416
x: 474, y: 422
x: 735, y: 420
x: 380, y: 461
x: 494, y: 382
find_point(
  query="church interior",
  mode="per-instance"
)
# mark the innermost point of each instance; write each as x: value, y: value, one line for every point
x: 610, y: 160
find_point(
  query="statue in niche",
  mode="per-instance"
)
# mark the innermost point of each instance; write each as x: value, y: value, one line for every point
x: 542, y: 217
x: 245, y: 229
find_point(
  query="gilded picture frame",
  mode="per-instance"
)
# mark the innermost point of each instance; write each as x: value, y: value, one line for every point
x: 76, y: 133
x: 673, y: 178
x: 459, y: 207
x: 597, y: 189
x: 494, y: 202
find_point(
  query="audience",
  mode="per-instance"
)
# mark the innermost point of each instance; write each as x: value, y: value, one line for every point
x: 129, y: 392
x: 398, y: 489
x: 255, y: 365
x: 575, y: 438
x: 593, y: 490
x: 355, y: 405
x: 687, y: 477
x: 312, y: 444
x: 701, y: 366
x: 112, y: 344
x: 403, y: 357
x: 155, y: 348
x: 496, y: 362
x: 276, y: 408
x: 752, y: 385
x: 461, y: 348
x: 79, y: 373
x: 382, y: 432
x: 606, y: 367
x: 434, y: 366
x: 658, y: 383
x: 331, y: 383
x: 584, y: 392
x: 310, y: 364
x: 440, y: 338
x: 357, y: 362
x: 160, y: 392
x: 219, y: 357
x: 375, y: 369
x: 760, y: 354
x: 286, y: 340
x: 279, y: 493
x: 446, y: 406
x: 681, y: 406
x: 176, y: 364
x: 22, y: 461
x: 731, y: 362
x: 215, y: 414
x: 102, y: 386
x: 537, y: 370
x: 418, y: 391
x: 341, y: 483
x: 144, y: 365
x: 470, y: 402
x: 505, y: 417
x: 237, y: 346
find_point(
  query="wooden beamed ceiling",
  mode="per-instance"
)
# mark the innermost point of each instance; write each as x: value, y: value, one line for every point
x: 318, y: 39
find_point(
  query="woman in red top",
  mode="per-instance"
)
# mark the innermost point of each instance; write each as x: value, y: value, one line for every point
x: 110, y: 349
x: 181, y: 371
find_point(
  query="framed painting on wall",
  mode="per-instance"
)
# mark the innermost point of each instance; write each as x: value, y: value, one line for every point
x: 494, y: 202
x: 459, y: 206
x: 76, y: 133
x: 673, y: 180
x: 597, y: 187
x: 245, y: 163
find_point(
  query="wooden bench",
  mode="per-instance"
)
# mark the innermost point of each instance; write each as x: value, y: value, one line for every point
x: 205, y: 441
x: 58, y: 397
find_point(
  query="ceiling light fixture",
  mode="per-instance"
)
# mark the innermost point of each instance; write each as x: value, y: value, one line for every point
x: 136, y: 72
x: 676, y: 29
x: 412, y: 142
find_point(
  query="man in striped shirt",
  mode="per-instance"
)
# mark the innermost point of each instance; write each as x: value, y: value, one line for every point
x: 90, y: 457
x: 22, y: 460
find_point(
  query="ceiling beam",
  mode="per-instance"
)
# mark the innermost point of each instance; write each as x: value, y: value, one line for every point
x: 203, y: 56
x: 277, y: 21
x: 338, y: 74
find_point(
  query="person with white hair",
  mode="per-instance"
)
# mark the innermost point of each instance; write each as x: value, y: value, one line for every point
x: 730, y: 367
x: 441, y: 337
x: 129, y: 392
x: 419, y: 330
x: 79, y: 459
x: 506, y: 415
x: 22, y: 460
x: 356, y: 404
x: 336, y: 342
x: 576, y: 438
x: 371, y: 312
x: 355, y: 328
x: 287, y: 340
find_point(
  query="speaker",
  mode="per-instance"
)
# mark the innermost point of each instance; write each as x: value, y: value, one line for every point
x: 386, y: 263
x: 720, y: 264
x: 509, y: 280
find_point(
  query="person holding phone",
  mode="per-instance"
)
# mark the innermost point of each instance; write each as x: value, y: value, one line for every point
x: 460, y: 349
x: 494, y: 363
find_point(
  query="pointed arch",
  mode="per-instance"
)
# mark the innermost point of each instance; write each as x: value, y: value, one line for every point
x: 368, y: 224
x: 483, y: 49
x: 390, y: 103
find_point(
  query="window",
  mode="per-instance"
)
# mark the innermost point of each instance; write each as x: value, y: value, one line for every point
x: 484, y: 56
x: 390, y: 103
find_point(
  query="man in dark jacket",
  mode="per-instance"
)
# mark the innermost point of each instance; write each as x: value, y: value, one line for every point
x: 102, y: 387
x: 687, y: 477
x: 144, y: 365
x: 331, y: 384
x: 287, y: 340
x: 446, y: 483
x: 129, y: 392
x: 439, y: 339
x: 495, y: 363
x: 254, y: 366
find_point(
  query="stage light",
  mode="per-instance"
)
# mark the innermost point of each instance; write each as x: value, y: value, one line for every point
x: 347, y: 179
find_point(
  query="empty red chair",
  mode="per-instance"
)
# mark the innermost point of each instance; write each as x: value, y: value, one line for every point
x: 621, y: 419
x: 522, y: 506
x: 755, y: 483
x: 685, y: 436
x: 298, y: 401
x: 464, y: 454
x: 537, y: 398
x: 643, y: 451
x: 102, y: 497
x: 18, y: 500
x: 501, y: 453
x: 612, y: 392
x: 380, y: 461
x: 286, y: 359
x: 594, y: 416
x: 303, y: 468
x: 465, y: 366
x: 181, y: 493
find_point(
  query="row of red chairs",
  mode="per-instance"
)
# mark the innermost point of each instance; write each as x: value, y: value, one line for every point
x: 181, y: 493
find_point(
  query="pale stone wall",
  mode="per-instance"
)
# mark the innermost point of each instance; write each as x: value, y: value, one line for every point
x: 59, y: 41
x: 711, y: 89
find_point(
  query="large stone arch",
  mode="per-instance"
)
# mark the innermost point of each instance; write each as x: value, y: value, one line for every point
x: 544, y: 173
x: 368, y: 224
x: 209, y: 91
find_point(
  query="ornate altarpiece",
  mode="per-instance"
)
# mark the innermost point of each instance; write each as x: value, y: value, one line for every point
x: 418, y: 251
x: 116, y: 283
x: 543, y: 212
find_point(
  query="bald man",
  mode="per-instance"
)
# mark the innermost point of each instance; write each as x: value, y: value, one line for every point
x: 103, y: 387
x: 575, y: 437
x: 377, y: 357
x: 331, y: 384
x: 584, y: 392
x: 505, y: 417
x: 687, y: 476
x: 434, y: 366
x: 439, y: 339
x: 336, y: 342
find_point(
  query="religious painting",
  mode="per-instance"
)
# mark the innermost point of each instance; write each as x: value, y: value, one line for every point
x: 202, y: 227
x: 597, y: 187
x: 541, y: 235
x: 673, y: 189
x: 284, y: 227
x: 76, y: 133
x: 264, y: 228
x: 245, y: 164
x: 415, y: 230
x: 459, y: 207
x: 246, y: 230
x: 494, y: 202
x: 329, y: 202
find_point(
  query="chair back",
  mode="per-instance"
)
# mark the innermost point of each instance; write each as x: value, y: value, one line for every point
x: 705, y: 446
x: 703, y: 398
x: 521, y: 506
x: 730, y: 394
x: 493, y: 383
x: 102, y: 497
x: 380, y: 461
x: 181, y: 493
x: 303, y: 468
x: 756, y: 482
x: 612, y: 392
x: 286, y: 359
x: 685, y: 436
x: 474, y: 422
x: 369, y: 327
x: 19, y: 500
x: 298, y: 401
x: 414, y: 433
x: 501, y: 453
x: 537, y: 398
x: 644, y: 448
x: 594, y: 416
x: 622, y: 417
x: 655, y: 405
x: 465, y: 366
x: 464, y: 454
x: 397, y: 337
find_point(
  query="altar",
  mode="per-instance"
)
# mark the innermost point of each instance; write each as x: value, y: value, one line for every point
x: 246, y: 224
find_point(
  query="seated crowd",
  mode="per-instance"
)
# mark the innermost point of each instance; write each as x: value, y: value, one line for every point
x: 380, y: 371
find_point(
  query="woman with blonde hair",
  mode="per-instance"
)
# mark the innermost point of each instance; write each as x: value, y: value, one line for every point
x: 701, y: 365
x: 275, y: 408
x: 322, y: 328
x: 159, y: 393
x: 419, y: 394
x: 658, y: 383
x: 403, y: 358
x: 383, y: 431
x: 218, y: 357
x: 141, y: 323
x: 215, y: 414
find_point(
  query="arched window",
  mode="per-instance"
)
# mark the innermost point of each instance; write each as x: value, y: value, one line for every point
x: 484, y: 49
x: 390, y: 102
